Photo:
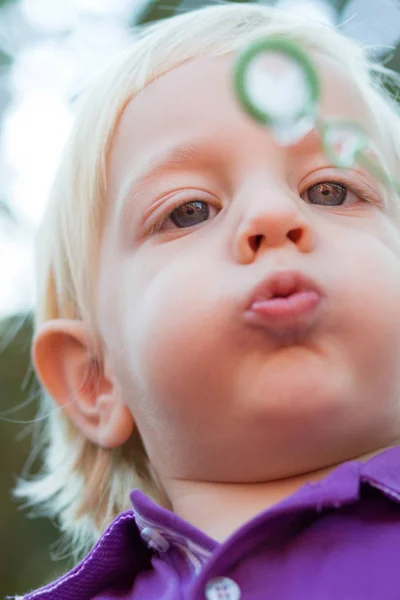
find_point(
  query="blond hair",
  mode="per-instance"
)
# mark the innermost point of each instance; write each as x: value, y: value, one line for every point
x: 84, y: 486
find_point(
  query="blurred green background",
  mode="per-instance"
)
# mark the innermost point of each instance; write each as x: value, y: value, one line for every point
x: 28, y: 546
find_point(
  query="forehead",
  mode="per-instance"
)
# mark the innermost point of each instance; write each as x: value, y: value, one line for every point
x: 196, y: 100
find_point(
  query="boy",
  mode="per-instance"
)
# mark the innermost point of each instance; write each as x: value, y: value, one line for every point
x: 266, y: 437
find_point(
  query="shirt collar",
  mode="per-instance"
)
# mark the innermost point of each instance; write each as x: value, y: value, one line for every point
x: 383, y: 472
x: 160, y: 528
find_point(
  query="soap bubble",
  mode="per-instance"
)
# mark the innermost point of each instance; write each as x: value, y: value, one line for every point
x: 343, y: 142
x: 277, y: 85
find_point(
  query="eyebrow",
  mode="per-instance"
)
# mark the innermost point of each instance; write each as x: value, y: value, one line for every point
x: 184, y: 155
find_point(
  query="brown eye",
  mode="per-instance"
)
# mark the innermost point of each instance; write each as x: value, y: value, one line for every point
x: 327, y: 193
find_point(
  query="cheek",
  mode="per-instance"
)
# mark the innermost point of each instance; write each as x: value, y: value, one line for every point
x: 175, y: 330
x: 364, y: 309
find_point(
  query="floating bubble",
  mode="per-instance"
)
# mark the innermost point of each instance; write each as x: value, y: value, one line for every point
x: 288, y: 132
x: 346, y: 144
x: 277, y: 85
x: 343, y: 142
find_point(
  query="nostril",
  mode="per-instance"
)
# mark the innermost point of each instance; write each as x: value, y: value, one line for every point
x: 295, y: 235
x: 255, y: 242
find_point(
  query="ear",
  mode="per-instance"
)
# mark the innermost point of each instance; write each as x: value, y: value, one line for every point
x: 88, y: 392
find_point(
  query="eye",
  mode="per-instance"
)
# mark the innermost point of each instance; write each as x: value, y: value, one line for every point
x: 187, y: 214
x: 332, y: 193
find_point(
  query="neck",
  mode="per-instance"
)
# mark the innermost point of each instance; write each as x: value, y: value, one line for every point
x: 218, y: 509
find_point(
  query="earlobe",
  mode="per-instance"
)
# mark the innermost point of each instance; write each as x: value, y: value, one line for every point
x: 115, y: 423
x: 62, y: 354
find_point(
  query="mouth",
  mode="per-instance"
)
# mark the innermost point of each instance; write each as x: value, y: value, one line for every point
x: 286, y: 299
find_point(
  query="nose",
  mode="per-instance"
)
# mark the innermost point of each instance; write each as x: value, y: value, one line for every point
x: 275, y: 220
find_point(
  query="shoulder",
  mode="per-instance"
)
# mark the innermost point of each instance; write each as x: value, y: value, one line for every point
x: 117, y: 558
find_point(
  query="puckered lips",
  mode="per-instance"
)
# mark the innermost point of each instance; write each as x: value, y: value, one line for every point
x: 284, y: 298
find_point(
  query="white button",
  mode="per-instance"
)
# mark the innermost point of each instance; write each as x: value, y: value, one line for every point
x: 222, y: 588
x: 154, y: 539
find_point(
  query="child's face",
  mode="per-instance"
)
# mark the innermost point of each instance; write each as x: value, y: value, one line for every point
x: 214, y: 397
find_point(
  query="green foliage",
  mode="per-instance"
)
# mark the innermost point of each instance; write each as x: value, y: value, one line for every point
x: 156, y: 10
x: 25, y: 544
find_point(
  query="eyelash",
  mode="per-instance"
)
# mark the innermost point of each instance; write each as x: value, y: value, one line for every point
x: 362, y: 193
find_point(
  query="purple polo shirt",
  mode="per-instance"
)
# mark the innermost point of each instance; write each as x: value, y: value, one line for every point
x: 338, y: 539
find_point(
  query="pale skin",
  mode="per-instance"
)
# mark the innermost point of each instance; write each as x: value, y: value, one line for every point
x: 234, y: 418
